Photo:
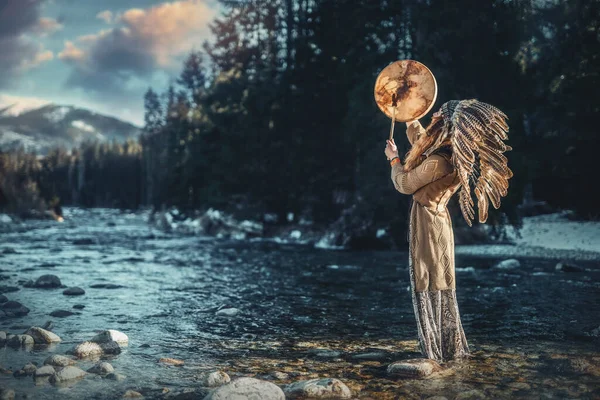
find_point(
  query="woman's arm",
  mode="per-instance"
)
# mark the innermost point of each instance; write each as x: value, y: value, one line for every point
x: 433, y: 168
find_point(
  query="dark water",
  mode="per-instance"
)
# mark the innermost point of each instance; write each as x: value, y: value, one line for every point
x: 309, y: 313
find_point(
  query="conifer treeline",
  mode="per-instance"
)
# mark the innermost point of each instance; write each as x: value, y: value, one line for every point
x: 276, y: 114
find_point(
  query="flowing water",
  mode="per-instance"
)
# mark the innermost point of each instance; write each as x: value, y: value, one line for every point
x: 304, y: 312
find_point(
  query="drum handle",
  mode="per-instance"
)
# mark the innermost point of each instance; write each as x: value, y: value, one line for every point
x: 394, y: 102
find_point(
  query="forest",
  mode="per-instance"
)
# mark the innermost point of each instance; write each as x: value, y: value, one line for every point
x: 276, y: 113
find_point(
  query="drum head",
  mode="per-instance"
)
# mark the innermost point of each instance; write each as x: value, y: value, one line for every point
x: 414, y: 86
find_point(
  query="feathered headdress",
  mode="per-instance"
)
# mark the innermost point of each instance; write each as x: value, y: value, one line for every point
x: 476, y: 131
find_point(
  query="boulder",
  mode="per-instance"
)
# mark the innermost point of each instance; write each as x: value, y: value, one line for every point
x: 325, y: 388
x: 47, y: 281
x: 247, y: 388
x: 59, y: 361
x: 73, y: 291
x: 14, y: 309
x: 414, y: 368
x: 93, y: 349
x: 42, y: 336
x: 101, y: 368
x: 45, y: 371
x: 67, y: 374
x: 214, y: 378
x: 111, y: 336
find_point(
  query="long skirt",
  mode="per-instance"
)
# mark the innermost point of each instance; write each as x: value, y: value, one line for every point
x: 440, y: 332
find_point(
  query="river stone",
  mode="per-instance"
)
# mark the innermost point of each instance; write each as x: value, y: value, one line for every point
x: 20, y: 340
x: 3, y: 299
x: 247, y: 388
x: 47, y: 281
x: 115, y: 376
x: 171, y: 361
x: 565, y: 267
x: 46, y: 370
x: 319, y: 388
x: 79, y: 306
x: 68, y: 373
x: 27, y: 370
x: 61, y: 313
x: 101, y: 368
x: 59, y: 361
x: 106, y: 286
x: 90, y: 349
x: 132, y: 394
x: 228, y: 312
x: 214, y: 378
x: 42, y: 336
x: 511, y: 263
x: 7, y: 394
x: 414, y: 368
x: 111, y: 336
x: 73, y: 291
x: 14, y: 309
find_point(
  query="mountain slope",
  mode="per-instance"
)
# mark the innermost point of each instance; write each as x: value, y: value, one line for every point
x: 53, y: 125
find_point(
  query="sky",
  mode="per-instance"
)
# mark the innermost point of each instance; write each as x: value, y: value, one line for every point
x: 101, y: 55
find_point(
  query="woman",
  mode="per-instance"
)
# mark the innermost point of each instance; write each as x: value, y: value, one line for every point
x: 461, y: 146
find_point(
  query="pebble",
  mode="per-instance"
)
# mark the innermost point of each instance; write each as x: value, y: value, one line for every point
x: 59, y: 361
x: 228, y: 312
x: 14, y: 309
x: 171, y: 361
x: 511, y: 263
x: 247, y: 388
x: 46, y: 370
x: 73, y: 291
x: 42, y: 336
x: 61, y: 313
x: 414, y: 368
x: 68, y: 373
x: 132, y: 394
x: 214, y: 378
x: 111, y: 335
x: 320, y: 388
x: 101, y: 368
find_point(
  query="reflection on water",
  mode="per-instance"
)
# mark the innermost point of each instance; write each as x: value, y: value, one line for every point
x: 301, y: 313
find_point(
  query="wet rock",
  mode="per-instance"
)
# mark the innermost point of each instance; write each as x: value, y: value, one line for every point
x: 83, y: 241
x: 111, y: 335
x: 214, y: 378
x: 373, y: 356
x: 9, y: 250
x: 325, y: 353
x: 48, y: 325
x: 59, y: 361
x: 101, y: 368
x: 247, y: 388
x: 74, y: 291
x: 113, y: 376
x: 132, y: 394
x: 42, y: 372
x: 7, y: 394
x: 27, y: 370
x: 171, y: 361
x: 471, y: 395
x: 228, y: 312
x: 79, y: 306
x: 42, y: 336
x: 47, y: 281
x: 280, y: 375
x: 568, y: 267
x: 326, y: 388
x: 511, y: 263
x: 20, y: 341
x: 3, y: 299
x: 92, y: 349
x: 66, y: 374
x: 414, y: 368
x: 62, y: 313
x: 5, y: 371
x: 8, y: 289
x: 106, y: 286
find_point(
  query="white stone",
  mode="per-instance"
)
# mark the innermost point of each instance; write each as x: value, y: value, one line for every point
x: 511, y: 263
x: 247, y: 388
x: 111, y: 336
x: 319, y: 388
x: 90, y: 349
x: 296, y: 234
x: 42, y: 336
x: 67, y: 374
x: 414, y: 368
x: 101, y: 368
x: 215, y: 378
x: 59, y: 361
x: 46, y: 370
x: 228, y: 312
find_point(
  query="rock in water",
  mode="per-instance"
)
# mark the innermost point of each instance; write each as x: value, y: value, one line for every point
x: 115, y: 377
x: 2, y: 337
x: 20, y: 341
x: 91, y: 349
x: 48, y: 281
x: 46, y: 370
x: 3, y: 299
x: 247, y: 388
x: 42, y: 336
x: 228, y: 312
x: 59, y: 361
x: 215, y: 378
x: 27, y: 370
x: 132, y: 394
x: 511, y: 263
x: 7, y: 394
x: 565, y: 267
x: 14, y: 309
x: 414, y: 368
x: 101, y: 368
x: 61, y: 313
x: 171, y: 361
x: 111, y: 336
x: 327, y: 388
x: 66, y: 374
x: 73, y: 291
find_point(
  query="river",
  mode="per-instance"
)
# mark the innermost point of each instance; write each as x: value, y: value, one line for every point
x: 305, y: 312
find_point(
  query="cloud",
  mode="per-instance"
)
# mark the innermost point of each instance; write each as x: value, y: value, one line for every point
x: 47, y: 26
x: 21, y: 104
x: 106, y: 16
x: 17, y: 51
x: 142, y: 42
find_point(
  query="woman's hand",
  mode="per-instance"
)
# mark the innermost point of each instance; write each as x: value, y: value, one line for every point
x: 391, y: 150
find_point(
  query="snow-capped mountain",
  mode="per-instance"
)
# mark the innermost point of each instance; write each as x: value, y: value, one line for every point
x: 52, y: 125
